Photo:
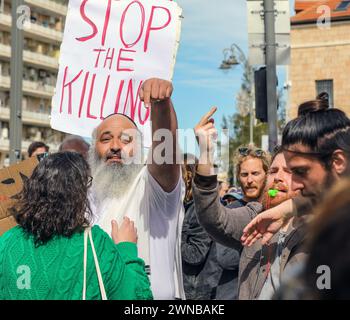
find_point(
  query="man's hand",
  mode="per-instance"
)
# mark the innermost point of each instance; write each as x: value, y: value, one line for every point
x: 266, y: 224
x: 125, y: 233
x: 155, y: 90
x: 156, y: 93
x: 206, y: 133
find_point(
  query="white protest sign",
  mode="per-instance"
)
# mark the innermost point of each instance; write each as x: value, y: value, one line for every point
x: 109, y: 49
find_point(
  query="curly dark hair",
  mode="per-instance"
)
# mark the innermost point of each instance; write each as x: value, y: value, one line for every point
x: 54, y: 201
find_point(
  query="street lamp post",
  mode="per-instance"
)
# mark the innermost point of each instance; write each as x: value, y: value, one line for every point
x: 231, y: 59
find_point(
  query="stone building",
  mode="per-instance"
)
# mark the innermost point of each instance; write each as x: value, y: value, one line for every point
x: 320, y: 58
x: 42, y: 41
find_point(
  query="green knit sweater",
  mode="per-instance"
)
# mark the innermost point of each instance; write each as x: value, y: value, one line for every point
x: 54, y: 271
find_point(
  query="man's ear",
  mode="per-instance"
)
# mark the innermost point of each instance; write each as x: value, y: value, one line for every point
x: 339, y: 162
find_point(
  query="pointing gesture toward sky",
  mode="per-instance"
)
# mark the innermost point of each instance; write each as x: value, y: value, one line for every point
x: 206, y: 134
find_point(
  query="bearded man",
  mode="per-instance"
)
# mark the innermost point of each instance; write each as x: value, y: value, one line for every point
x: 280, y: 257
x: 150, y: 195
x: 252, y: 165
x: 261, y: 266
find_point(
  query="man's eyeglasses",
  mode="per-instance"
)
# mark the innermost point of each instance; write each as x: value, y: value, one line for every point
x: 246, y: 151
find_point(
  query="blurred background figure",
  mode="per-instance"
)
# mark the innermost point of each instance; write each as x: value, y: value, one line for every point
x: 188, y: 170
x: 325, y: 274
x: 330, y: 247
x: 200, y: 271
x: 233, y: 194
x: 75, y: 144
x: 223, y: 188
x: 37, y: 148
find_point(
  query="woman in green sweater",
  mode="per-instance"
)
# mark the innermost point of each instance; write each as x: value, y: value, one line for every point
x: 50, y: 255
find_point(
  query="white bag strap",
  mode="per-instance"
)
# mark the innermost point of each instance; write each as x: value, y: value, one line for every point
x: 88, y: 233
x: 85, y: 259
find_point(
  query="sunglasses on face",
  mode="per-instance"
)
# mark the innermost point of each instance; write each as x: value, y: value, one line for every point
x: 42, y: 156
x: 277, y: 148
x: 246, y: 151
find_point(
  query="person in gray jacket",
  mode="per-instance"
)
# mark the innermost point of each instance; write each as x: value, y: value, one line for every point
x: 261, y: 267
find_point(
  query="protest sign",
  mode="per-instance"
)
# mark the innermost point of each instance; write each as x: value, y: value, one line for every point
x: 109, y: 49
x: 11, y: 183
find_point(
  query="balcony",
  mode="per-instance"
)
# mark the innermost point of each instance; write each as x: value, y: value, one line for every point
x: 28, y: 117
x: 49, y: 6
x: 5, y: 145
x: 33, y: 30
x: 30, y: 88
x: 32, y: 58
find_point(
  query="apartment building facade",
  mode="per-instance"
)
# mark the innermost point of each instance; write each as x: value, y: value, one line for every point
x: 320, y: 55
x: 42, y: 39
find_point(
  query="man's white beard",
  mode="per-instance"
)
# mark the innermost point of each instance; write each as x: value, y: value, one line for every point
x: 111, y: 180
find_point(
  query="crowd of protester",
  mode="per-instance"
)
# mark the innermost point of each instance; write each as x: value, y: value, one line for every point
x: 91, y: 226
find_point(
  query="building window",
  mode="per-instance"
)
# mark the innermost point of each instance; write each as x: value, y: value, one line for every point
x: 343, y: 6
x: 325, y: 86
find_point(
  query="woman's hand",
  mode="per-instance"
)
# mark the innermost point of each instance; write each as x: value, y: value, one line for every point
x: 125, y: 233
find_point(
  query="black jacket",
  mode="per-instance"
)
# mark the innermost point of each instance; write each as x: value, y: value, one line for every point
x: 210, y: 270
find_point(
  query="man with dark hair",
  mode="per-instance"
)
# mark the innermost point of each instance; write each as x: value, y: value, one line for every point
x: 317, y: 150
x: 76, y: 144
x: 36, y: 148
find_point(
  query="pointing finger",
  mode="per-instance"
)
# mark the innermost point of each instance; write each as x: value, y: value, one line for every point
x: 205, y: 119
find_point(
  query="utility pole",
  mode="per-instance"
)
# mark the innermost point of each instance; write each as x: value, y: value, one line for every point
x: 252, y: 109
x: 270, y: 42
x: 16, y: 92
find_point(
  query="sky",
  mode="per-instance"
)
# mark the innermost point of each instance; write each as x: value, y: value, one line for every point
x: 209, y: 27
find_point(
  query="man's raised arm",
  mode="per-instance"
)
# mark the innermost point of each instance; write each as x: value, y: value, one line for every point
x: 157, y: 94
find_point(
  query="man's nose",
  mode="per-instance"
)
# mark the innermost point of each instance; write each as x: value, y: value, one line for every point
x: 279, y: 177
x: 116, y: 145
x: 297, y: 186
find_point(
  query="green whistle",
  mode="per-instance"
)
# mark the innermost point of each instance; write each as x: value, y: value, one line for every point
x: 273, y: 193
